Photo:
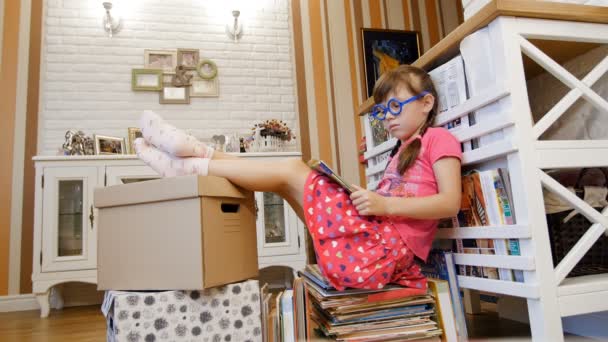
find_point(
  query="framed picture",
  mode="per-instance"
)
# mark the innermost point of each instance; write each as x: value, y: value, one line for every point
x: 174, y: 95
x: 166, y: 60
x: 134, y: 133
x: 109, y: 145
x: 146, y: 79
x: 204, y: 88
x: 385, y: 50
x: 206, y: 69
x: 188, y: 58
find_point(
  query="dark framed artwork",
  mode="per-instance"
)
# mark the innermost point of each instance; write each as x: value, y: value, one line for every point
x: 385, y: 50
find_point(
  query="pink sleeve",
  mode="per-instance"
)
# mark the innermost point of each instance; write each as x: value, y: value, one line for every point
x: 443, y: 144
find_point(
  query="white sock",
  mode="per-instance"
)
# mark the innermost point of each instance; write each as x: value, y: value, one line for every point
x: 166, y: 137
x: 168, y: 165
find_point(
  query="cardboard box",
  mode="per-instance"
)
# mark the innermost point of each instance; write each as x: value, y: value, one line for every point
x: 227, y: 313
x: 181, y: 233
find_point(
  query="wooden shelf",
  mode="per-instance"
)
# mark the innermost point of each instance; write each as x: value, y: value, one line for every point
x: 448, y: 46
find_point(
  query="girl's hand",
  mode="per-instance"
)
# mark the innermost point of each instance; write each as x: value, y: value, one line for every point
x: 368, y: 202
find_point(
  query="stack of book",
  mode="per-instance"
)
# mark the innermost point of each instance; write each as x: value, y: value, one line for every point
x: 391, y: 313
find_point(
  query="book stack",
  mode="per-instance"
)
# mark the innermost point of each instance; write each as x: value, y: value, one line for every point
x: 391, y: 313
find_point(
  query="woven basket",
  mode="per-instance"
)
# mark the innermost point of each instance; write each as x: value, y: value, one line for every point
x: 564, y: 235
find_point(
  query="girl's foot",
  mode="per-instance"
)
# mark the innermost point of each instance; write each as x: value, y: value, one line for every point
x: 168, y: 165
x: 166, y: 137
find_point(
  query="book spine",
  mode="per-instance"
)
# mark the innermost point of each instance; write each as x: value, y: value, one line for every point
x: 461, y: 323
x: 513, y: 244
x: 486, y: 213
x: 500, y: 209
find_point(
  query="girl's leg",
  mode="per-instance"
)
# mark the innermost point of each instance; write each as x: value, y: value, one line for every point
x: 168, y: 138
x: 217, y: 155
x: 286, y: 177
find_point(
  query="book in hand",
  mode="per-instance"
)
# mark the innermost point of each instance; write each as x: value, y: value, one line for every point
x: 321, y: 167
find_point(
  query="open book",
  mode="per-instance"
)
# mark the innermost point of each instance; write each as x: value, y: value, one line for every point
x: 321, y: 167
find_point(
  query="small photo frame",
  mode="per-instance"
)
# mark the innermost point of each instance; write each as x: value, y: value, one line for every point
x: 204, y: 88
x: 109, y: 145
x: 206, y: 69
x: 146, y: 79
x: 166, y: 60
x: 174, y: 95
x: 134, y: 133
x: 188, y: 58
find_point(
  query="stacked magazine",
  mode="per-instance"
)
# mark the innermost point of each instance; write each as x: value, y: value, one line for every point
x: 391, y: 313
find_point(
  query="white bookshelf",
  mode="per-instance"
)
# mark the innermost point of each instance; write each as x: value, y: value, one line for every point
x: 549, y: 294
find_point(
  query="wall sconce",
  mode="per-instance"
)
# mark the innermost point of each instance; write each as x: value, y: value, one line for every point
x: 111, y: 25
x: 235, y: 29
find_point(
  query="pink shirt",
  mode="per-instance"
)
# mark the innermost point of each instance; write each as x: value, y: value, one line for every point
x: 419, y: 181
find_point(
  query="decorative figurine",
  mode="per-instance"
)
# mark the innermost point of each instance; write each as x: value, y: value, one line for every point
x: 181, y: 77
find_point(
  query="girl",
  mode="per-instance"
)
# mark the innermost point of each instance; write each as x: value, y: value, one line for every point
x: 370, y: 238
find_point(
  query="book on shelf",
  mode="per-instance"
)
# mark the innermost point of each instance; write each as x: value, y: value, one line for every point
x: 366, y: 315
x: 494, y: 214
x: 450, y: 84
x: 476, y: 51
x: 287, y: 319
x: 474, y: 213
x: 299, y: 309
x: 265, y: 309
x: 487, y: 201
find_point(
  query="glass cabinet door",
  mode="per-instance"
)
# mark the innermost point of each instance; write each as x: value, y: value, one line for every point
x: 276, y: 225
x: 274, y: 219
x: 68, y: 218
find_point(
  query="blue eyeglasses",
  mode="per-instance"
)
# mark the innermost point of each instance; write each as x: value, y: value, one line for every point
x: 393, y: 106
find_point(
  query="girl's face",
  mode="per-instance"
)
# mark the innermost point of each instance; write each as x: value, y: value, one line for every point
x: 413, y: 115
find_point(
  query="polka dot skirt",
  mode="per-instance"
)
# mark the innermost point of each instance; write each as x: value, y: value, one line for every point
x: 352, y: 250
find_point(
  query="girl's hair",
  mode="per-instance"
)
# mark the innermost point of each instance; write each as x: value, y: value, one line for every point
x: 415, y: 80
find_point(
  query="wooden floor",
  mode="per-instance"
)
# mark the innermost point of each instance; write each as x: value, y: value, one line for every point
x: 83, y: 324
x: 87, y: 324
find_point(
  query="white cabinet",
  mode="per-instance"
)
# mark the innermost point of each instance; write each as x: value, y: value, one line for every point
x: 65, y: 230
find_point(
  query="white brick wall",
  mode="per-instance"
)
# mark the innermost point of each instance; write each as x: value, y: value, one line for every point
x: 86, y: 77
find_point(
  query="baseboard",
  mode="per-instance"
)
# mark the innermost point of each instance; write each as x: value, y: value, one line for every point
x: 25, y: 302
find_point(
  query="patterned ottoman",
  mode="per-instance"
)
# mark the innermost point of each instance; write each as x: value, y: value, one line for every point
x: 225, y: 313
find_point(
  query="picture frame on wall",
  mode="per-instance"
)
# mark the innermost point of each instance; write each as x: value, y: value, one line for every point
x: 188, y: 58
x: 166, y: 60
x: 105, y: 145
x: 385, y: 50
x: 146, y: 79
x: 206, y: 69
x: 204, y: 88
x: 174, y: 95
x: 134, y: 133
